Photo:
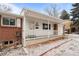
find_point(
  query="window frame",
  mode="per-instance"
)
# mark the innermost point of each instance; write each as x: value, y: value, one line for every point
x: 5, y: 20
x: 9, y: 21
x: 36, y: 25
x: 10, y: 42
x: 48, y: 26
x: 45, y: 26
x: 14, y: 22
x: 55, y: 26
x: 5, y: 42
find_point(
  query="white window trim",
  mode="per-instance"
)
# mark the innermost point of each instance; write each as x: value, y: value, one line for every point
x: 8, y: 25
x: 36, y: 26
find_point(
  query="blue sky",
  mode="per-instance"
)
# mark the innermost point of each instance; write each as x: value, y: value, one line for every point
x: 41, y: 6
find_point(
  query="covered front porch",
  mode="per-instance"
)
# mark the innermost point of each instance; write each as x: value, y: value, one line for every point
x: 37, y: 29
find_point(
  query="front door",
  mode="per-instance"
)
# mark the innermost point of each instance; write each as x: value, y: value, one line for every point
x: 55, y: 28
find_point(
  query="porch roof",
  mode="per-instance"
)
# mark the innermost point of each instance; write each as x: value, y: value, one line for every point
x: 34, y: 14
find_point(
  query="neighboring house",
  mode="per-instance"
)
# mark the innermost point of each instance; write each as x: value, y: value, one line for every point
x: 67, y: 25
x: 32, y: 27
x: 75, y: 27
x: 37, y: 26
x: 10, y: 29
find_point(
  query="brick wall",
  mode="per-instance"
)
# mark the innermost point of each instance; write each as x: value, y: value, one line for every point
x: 9, y: 33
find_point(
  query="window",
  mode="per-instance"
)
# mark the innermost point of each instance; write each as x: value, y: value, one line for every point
x: 10, y: 42
x: 12, y: 21
x: 37, y: 25
x: 8, y: 21
x: 45, y: 26
x: 55, y: 26
x: 6, y: 42
x: 49, y: 26
x: 5, y: 21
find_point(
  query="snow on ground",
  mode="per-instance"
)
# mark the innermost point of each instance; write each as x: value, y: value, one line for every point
x: 41, y: 48
x: 64, y: 47
x: 70, y: 48
x: 13, y: 52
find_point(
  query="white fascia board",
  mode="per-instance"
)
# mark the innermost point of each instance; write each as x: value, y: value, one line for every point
x: 34, y: 14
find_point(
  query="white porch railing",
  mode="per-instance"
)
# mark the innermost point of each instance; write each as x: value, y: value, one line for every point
x: 40, y: 37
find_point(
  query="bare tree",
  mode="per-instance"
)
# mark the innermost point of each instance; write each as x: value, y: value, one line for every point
x: 52, y: 10
x: 5, y: 8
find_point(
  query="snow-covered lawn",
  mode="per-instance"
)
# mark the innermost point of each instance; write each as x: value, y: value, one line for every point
x: 13, y: 52
x: 39, y: 49
x: 70, y: 48
x: 64, y: 47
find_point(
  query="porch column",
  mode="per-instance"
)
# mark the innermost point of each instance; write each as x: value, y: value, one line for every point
x: 60, y: 29
x: 48, y: 28
x: 23, y: 32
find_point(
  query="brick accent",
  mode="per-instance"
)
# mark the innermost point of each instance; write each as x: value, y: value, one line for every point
x: 9, y: 33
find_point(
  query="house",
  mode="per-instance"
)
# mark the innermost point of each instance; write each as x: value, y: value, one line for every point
x: 67, y: 25
x: 10, y: 29
x: 30, y: 27
x: 75, y: 27
x: 38, y: 27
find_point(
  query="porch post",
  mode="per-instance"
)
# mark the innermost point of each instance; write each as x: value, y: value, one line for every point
x: 48, y: 28
x: 34, y: 27
x: 60, y: 29
x: 23, y: 33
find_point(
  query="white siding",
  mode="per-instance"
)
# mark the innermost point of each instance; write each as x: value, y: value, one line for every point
x: 18, y: 22
x: 40, y: 31
x: 60, y: 29
x: 25, y: 30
